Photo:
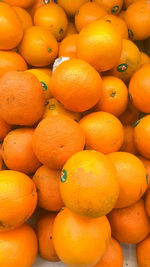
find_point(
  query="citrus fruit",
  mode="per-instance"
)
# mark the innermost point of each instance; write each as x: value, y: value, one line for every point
x: 112, y: 6
x: 130, y: 116
x: 143, y: 252
x: 129, y: 144
x: 71, y: 28
x: 147, y: 166
x: 18, y: 3
x: 144, y: 58
x: 68, y: 46
x: 71, y: 7
x: 24, y: 16
x: 4, y: 128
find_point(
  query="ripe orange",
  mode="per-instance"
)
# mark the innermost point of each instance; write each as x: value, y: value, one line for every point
x: 95, y: 179
x: 36, y: 4
x: 18, y: 3
x: 71, y: 7
x: 4, y: 128
x: 147, y: 203
x: 38, y: 47
x: 130, y: 116
x: 44, y: 227
x: 103, y: 132
x: 24, y: 16
x: 76, y: 84
x: 145, y: 59
x: 68, y: 46
x: 139, y: 89
x: 100, y: 45
x: 147, y: 166
x: 113, y: 255
x: 17, y: 151
x: 18, y: 199
x: 52, y: 17
x: 143, y: 252
x: 114, y: 97
x: 137, y: 18
x: 130, y: 225
x: 132, y: 178
x: 21, y: 98
x: 83, y: 240
x: 11, y: 31
x: 88, y: 13
x: 56, y: 139
x: 112, y: 6
x: 18, y: 247
x: 129, y: 144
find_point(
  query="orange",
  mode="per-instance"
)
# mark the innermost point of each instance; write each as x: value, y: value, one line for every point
x: 71, y: 28
x: 129, y: 144
x: 44, y: 227
x: 21, y: 98
x: 56, y: 139
x: 53, y: 107
x: 132, y: 178
x: 143, y: 253
x: 139, y: 89
x: 88, y: 13
x: 36, y: 4
x: 11, y: 31
x: 147, y: 166
x: 17, y: 151
x: 114, y: 97
x: 18, y: 199
x: 95, y: 179
x: 4, y: 128
x: 122, y: 14
x: 69, y: 7
x: 112, y: 6
x: 68, y: 46
x: 144, y: 58
x: 76, y: 84
x: 142, y: 136
x: 103, y: 132
x: 38, y: 47
x: 130, y: 116
x: 47, y: 184
x: 113, y: 255
x: 100, y: 45
x: 18, y: 247
x: 130, y: 225
x: 137, y: 18
x: 118, y: 23
x: 18, y: 3
x: 25, y: 17
x: 52, y: 17
x: 147, y: 203
x: 83, y: 240
x: 129, y: 61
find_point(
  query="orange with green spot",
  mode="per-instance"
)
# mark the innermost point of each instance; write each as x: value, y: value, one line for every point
x: 112, y: 6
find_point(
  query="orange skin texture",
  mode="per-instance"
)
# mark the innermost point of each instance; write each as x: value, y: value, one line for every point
x: 140, y: 90
x: 145, y: 59
x: 103, y: 132
x: 47, y: 183
x: 11, y: 61
x: 56, y: 139
x: 142, y: 135
x: 17, y: 151
x: 130, y: 225
x: 131, y: 56
x: 35, y: 6
x: 147, y: 203
x: 100, y: 45
x: 143, y: 253
x: 109, y: 5
x: 147, y: 166
x: 11, y: 31
x: 88, y: 13
x: 18, y: 247
x: 25, y: 17
x: 132, y: 178
x: 129, y: 144
x: 76, y: 84
x: 137, y: 18
x: 113, y: 255
x: 80, y: 241
x: 95, y: 179
x: 38, y: 47
x: 130, y: 116
x: 5, y: 128
x: 52, y: 17
x: 129, y: 2
x: 122, y: 14
x: 70, y: 8
x: 21, y: 98
x: 71, y: 28
x: 114, y: 97
x: 18, y: 199
x: 18, y: 3
x: 44, y: 226
x: 68, y: 46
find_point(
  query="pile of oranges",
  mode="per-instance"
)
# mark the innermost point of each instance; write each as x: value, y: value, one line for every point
x: 74, y: 131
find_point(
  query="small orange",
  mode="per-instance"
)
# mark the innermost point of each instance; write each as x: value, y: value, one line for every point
x: 76, y: 84
x: 68, y: 46
x: 143, y: 253
x: 100, y: 45
x: 114, y: 97
x: 144, y: 58
x: 112, y: 6
x: 24, y: 16
x: 18, y: 247
x: 132, y: 178
x: 130, y: 225
x: 130, y: 116
x: 52, y: 17
x: 38, y: 47
x: 47, y: 184
x: 103, y: 132
x: 69, y: 7
x: 80, y: 241
x: 113, y: 255
x: 43, y: 228
x: 88, y: 13
x: 18, y: 3
x: 56, y: 139
x: 4, y: 128
x: 71, y: 28
x: 18, y: 199
x: 147, y: 203
x: 129, y: 144
x: 147, y: 166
